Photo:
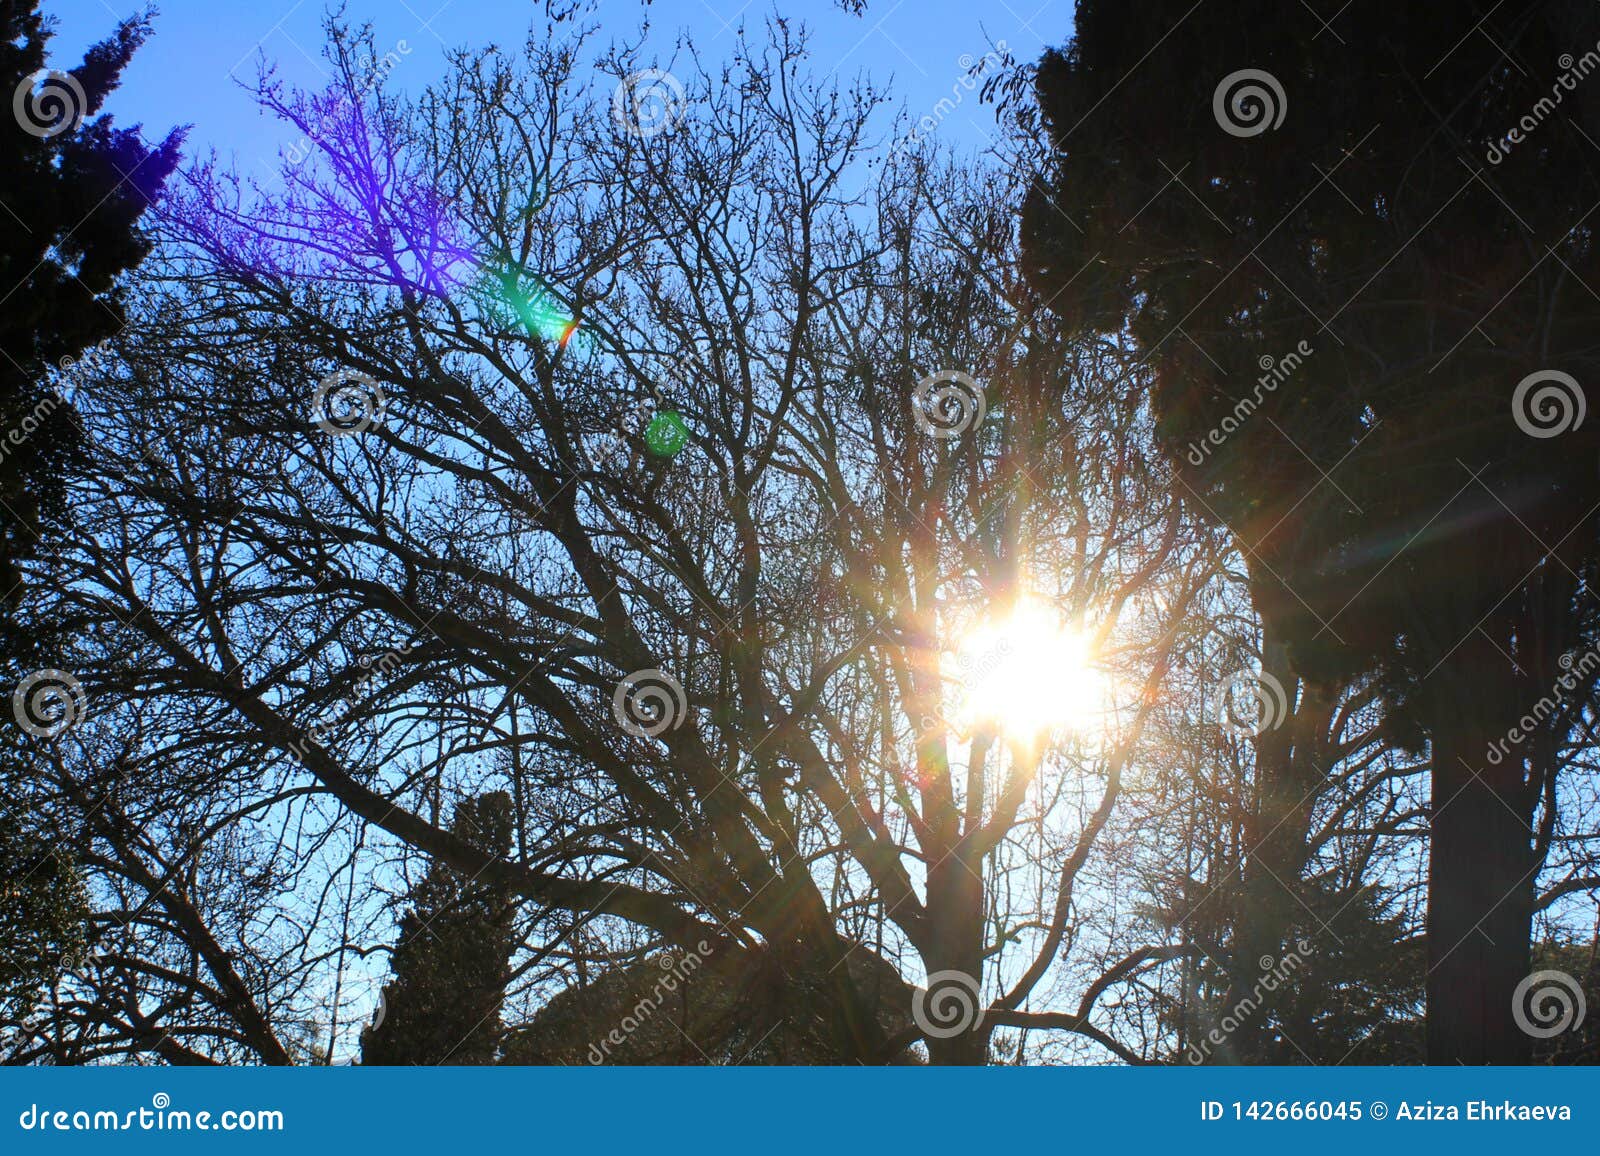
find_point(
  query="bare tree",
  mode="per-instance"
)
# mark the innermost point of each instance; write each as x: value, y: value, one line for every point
x: 464, y: 594
x: 643, y: 449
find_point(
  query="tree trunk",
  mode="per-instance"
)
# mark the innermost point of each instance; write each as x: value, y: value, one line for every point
x: 1480, y: 871
x: 1287, y: 772
x: 955, y: 906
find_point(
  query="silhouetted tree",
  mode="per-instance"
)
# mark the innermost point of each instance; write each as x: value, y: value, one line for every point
x: 745, y: 1006
x: 452, y: 958
x: 1328, y: 217
x: 75, y: 189
x: 43, y: 911
x: 608, y: 471
x: 790, y: 593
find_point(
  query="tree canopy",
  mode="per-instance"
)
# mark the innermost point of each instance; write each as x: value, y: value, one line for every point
x: 674, y: 566
x: 1367, y: 332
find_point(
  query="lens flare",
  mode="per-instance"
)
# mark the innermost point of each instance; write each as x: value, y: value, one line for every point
x: 1026, y: 673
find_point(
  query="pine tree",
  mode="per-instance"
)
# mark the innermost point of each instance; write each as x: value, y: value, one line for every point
x: 73, y: 192
x: 1410, y: 480
x: 451, y: 960
x: 75, y: 189
x: 43, y: 910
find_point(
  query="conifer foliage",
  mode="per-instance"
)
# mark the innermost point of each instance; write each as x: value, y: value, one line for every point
x: 451, y: 959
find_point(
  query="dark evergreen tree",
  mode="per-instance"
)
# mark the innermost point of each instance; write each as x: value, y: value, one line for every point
x: 451, y: 959
x: 742, y: 1006
x: 43, y: 910
x: 1371, y: 311
x: 1561, y: 1000
x: 72, y: 193
x: 75, y: 188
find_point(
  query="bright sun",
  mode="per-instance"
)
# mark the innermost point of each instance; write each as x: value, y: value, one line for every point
x: 1026, y: 674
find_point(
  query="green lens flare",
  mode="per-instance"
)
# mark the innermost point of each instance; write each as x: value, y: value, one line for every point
x: 666, y: 434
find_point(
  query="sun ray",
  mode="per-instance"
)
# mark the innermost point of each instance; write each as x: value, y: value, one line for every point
x: 1026, y: 673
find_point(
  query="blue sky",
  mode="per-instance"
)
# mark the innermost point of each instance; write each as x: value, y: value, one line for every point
x: 190, y: 71
x: 203, y: 52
